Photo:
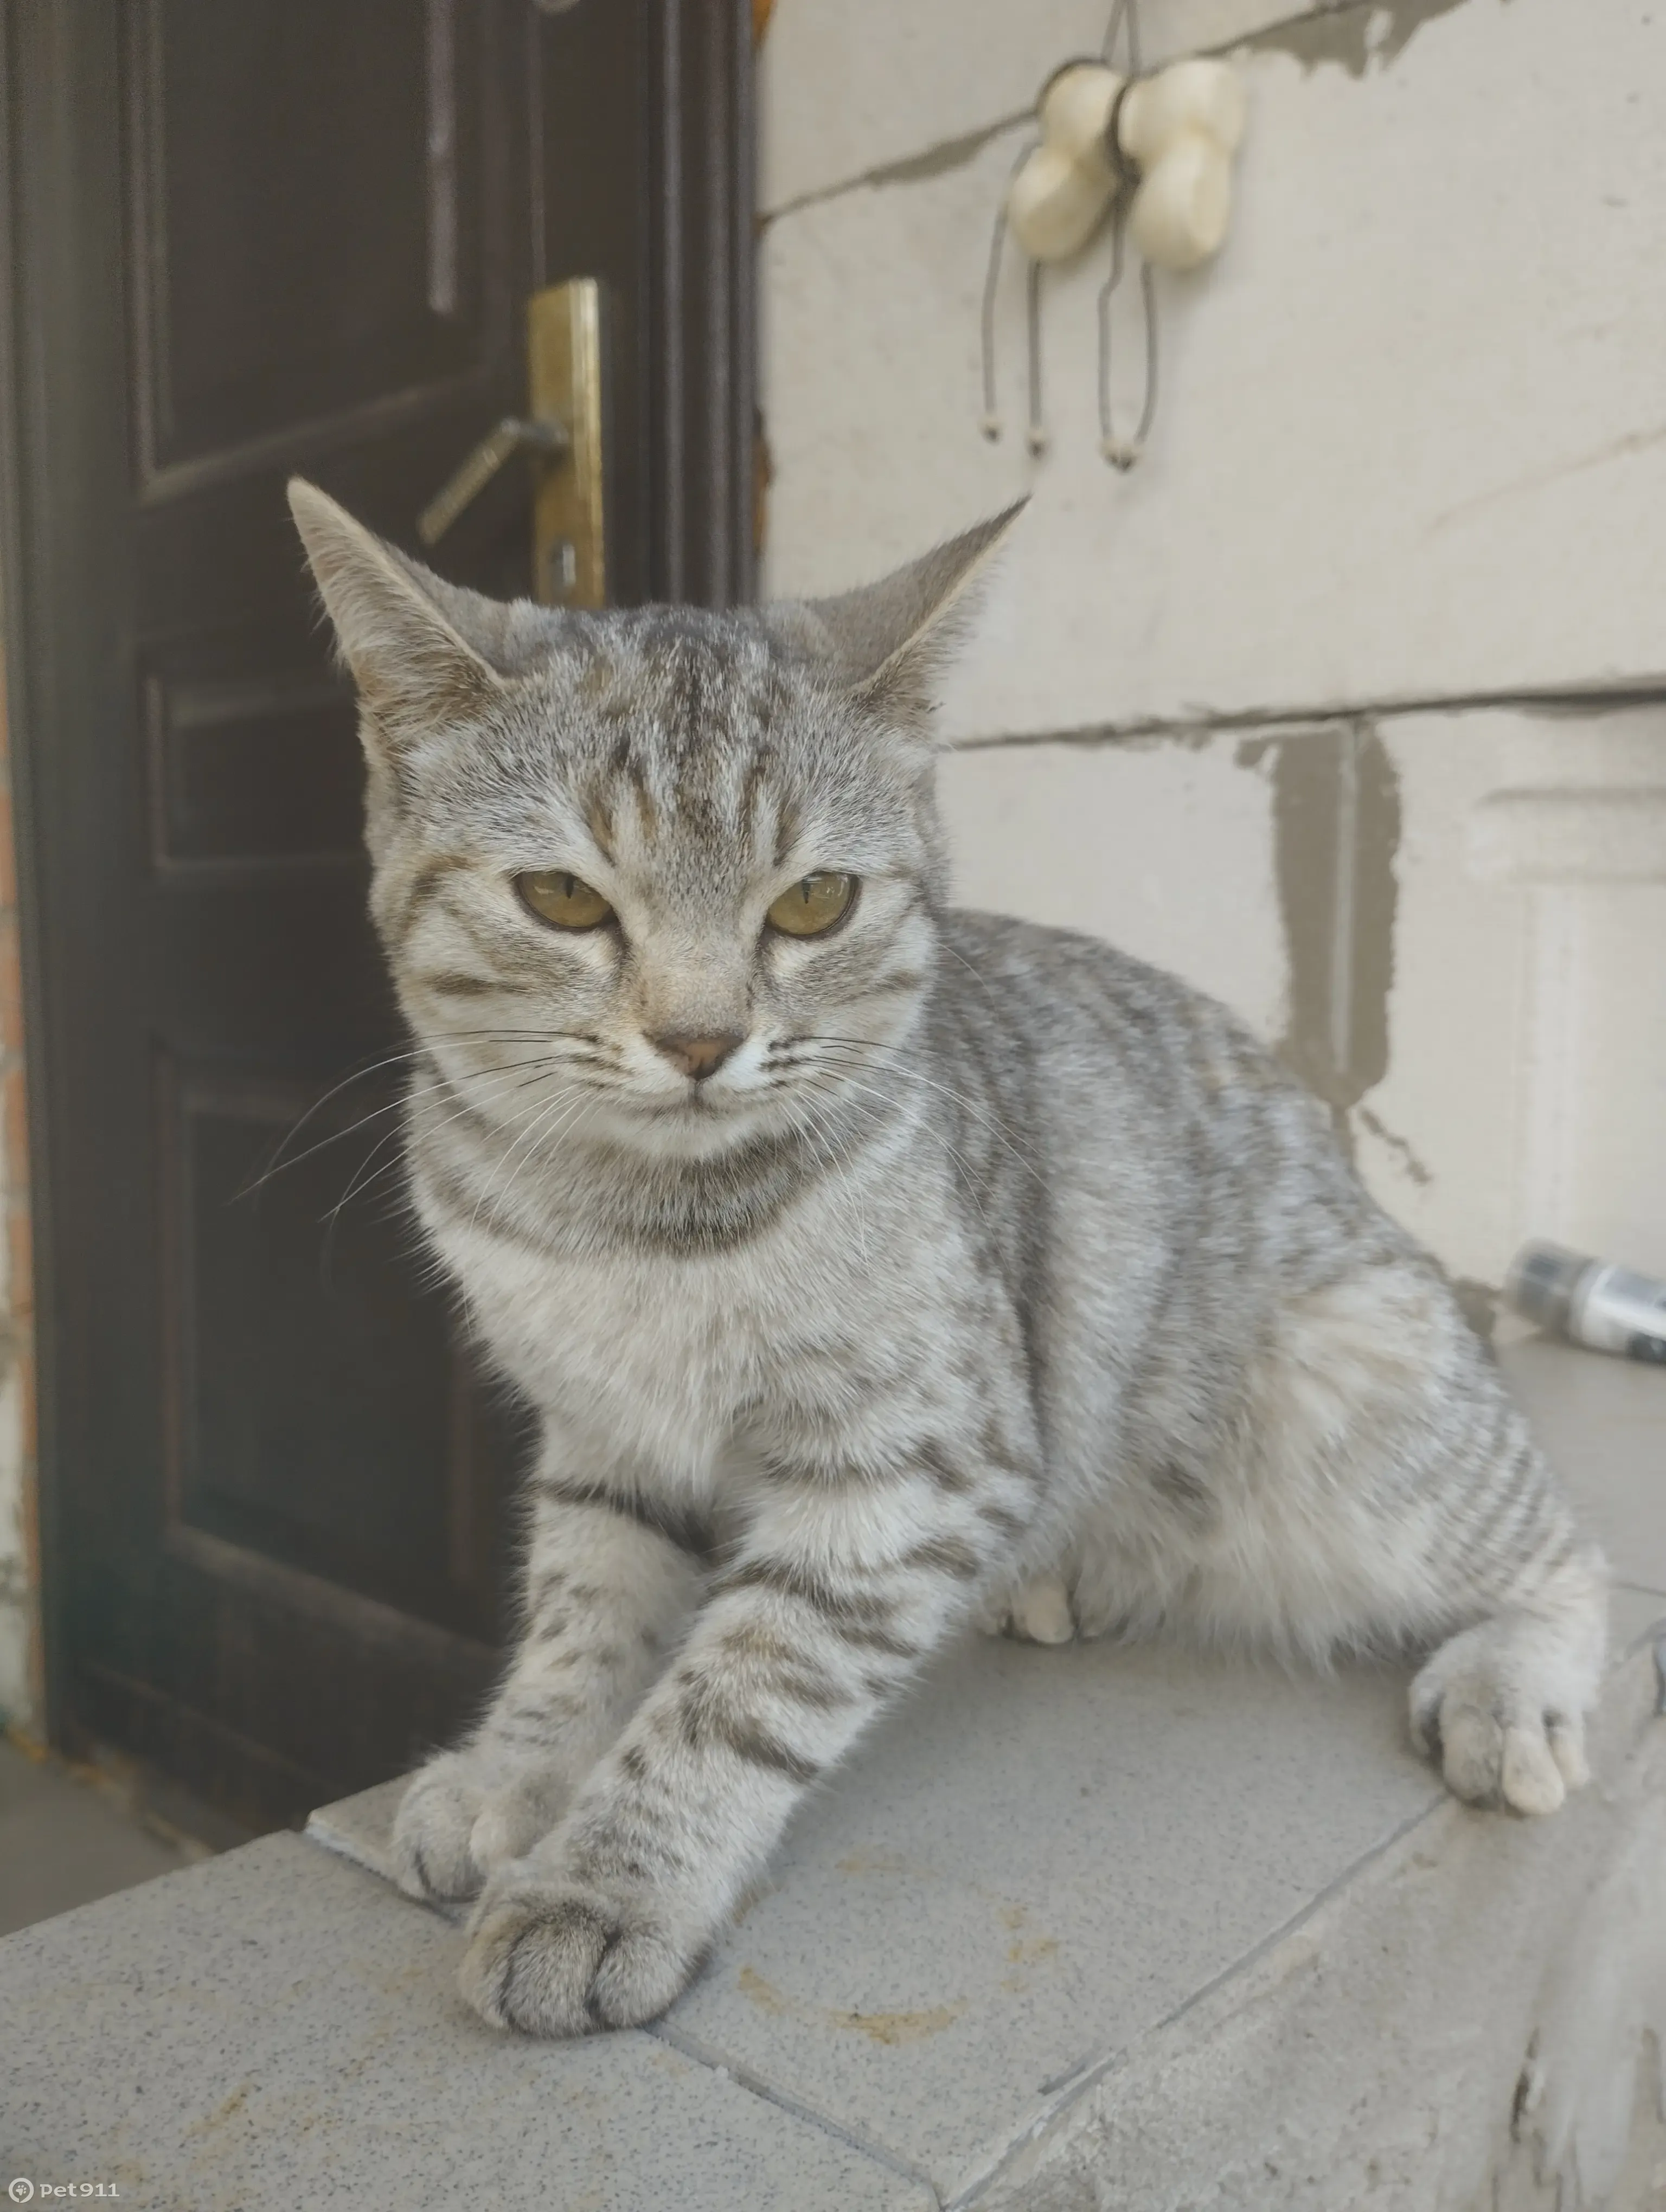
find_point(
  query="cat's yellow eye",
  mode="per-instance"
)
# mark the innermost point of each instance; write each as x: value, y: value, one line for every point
x: 813, y: 904
x: 567, y: 901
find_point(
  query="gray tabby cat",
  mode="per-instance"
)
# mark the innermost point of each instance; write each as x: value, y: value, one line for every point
x: 872, y: 1266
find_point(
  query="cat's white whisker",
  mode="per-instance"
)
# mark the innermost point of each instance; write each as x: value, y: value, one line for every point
x: 458, y: 1113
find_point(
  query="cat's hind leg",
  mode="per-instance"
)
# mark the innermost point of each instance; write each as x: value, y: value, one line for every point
x: 1502, y: 1704
x: 1397, y: 1497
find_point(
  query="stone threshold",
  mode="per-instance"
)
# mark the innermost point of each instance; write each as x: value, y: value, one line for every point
x: 1077, y: 1927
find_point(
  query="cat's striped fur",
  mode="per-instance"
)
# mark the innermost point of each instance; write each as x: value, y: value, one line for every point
x: 994, y: 1276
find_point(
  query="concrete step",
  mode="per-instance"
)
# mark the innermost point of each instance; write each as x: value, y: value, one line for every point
x: 1077, y: 1927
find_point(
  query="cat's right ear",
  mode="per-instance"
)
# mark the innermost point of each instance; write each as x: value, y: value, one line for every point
x: 888, y: 643
x: 413, y: 667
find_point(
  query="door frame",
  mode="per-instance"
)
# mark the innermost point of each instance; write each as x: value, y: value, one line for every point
x: 701, y: 351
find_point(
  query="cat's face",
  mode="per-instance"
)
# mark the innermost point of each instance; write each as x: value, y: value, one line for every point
x: 645, y: 881
x: 661, y: 877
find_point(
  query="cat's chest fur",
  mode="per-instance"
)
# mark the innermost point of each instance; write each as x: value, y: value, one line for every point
x: 664, y: 1361
x: 634, y: 1352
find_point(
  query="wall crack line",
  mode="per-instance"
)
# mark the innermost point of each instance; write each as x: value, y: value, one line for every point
x: 938, y: 160
x: 1550, y: 701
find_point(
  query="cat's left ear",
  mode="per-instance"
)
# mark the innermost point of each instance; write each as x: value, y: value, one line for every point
x: 889, y: 642
x: 404, y: 633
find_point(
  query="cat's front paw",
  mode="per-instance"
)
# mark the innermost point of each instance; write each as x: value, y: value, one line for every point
x: 467, y: 1813
x: 553, y: 1956
x: 1502, y: 1711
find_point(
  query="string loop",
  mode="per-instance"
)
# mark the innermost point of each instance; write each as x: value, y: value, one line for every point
x: 1119, y: 453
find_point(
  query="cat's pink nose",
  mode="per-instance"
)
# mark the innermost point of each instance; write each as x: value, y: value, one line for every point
x: 698, y: 1056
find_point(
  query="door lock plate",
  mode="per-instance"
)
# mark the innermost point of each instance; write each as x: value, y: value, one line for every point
x: 564, y: 432
x: 564, y: 380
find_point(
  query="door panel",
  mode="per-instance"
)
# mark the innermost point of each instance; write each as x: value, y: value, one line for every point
x: 268, y: 291
x: 245, y: 768
x: 292, y: 234
x: 316, y: 1409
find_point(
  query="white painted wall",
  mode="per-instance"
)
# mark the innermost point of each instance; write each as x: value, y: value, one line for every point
x: 1151, y: 845
x: 1410, y: 464
x: 1412, y: 434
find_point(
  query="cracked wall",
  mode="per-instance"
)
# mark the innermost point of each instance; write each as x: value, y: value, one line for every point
x: 1268, y: 710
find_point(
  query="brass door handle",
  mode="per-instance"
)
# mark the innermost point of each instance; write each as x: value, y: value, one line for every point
x: 469, y: 478
x: 563, y: 431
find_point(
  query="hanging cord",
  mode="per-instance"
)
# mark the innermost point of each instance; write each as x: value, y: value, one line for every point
x: 1125, y: 17
x: 1125, y: 12
x: 1036, y: 435
x: 991, y: 424
x: 1112, y: 449
x: 1124, y: 22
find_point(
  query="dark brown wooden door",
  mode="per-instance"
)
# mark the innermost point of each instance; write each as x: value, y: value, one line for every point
x: 249, y: 237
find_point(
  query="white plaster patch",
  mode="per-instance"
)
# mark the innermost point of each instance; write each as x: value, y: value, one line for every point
x: 1527, y: 1049
x: 1438, y: 1140
x: 1612, y: 1201
x: 1165, y: 850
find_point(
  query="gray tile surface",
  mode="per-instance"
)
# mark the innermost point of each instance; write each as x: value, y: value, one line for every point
x: 1041, y: 1857
x: 358, y: 1828
x: 1634, y: 1616
x: 1047, y: 1853
x: 62, y: 1843
x: 277, y: 2029
x: 1037, y: 1861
